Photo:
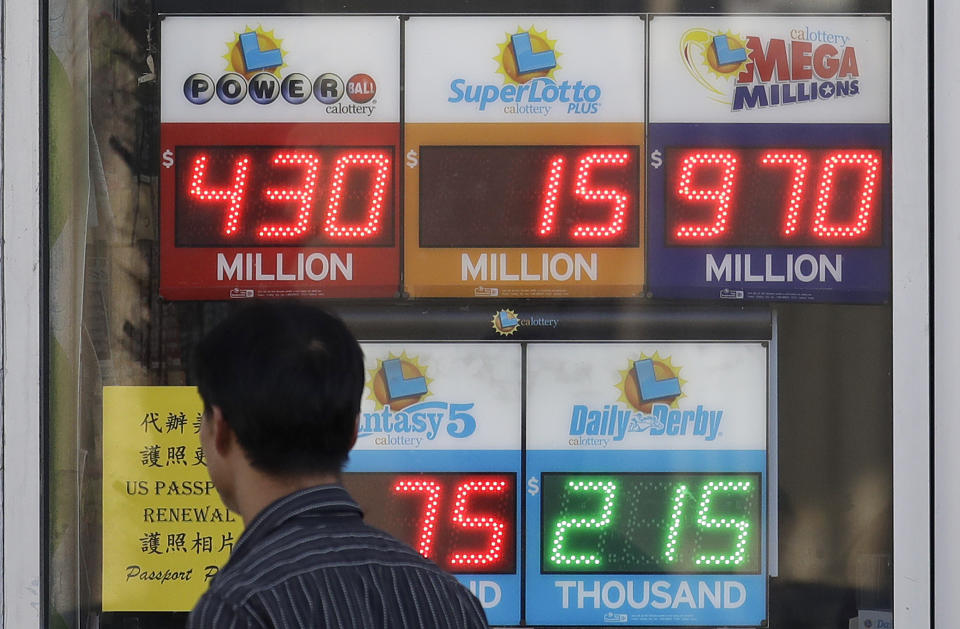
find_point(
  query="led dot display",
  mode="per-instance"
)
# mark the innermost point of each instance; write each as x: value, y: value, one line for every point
x: 771, y: 197
x: 529, y: 196
x: 651, y: 523
x: 304, y: 196
x: 464, y: 522
x: 718, y: 195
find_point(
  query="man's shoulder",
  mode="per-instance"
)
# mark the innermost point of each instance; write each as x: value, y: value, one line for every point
x: 353, y: 553
x: 366, y: 574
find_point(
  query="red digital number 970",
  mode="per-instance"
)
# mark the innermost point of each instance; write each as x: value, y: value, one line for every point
x: 774, y: 196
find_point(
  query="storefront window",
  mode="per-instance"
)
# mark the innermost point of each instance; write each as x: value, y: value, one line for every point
x: 525, y: 223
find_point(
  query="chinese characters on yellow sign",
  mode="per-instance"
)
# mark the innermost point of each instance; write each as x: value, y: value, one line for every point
x: 165, y: 530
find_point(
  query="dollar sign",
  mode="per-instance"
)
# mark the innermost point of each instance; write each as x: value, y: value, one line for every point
x: 655, y: 159
x: 167, y: 158
x: 412, y: 159
x: 533, y: 486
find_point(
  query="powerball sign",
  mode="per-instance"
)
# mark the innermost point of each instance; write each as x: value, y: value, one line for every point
x: 279, y: 157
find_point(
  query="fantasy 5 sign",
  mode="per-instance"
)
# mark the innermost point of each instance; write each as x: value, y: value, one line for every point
x: 437, y: 460
x: 401, y: 416
x: 439, y: 397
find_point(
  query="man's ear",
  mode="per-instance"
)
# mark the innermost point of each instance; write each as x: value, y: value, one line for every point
x: 356, y: 432
x: 223, y: 436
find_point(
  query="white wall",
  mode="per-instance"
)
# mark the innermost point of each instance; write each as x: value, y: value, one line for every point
x: 946, y: 245
x: 20, y: 307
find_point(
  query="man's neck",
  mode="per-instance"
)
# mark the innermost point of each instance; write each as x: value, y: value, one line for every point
x: 260, y: 489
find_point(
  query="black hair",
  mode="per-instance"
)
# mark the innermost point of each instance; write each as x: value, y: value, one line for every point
x: 288, y: 378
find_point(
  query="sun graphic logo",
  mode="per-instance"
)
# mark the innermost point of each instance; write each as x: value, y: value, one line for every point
x: 714, y: 59
x: 398, y: 382
x: 254, y: 51
x: 651, y: 380
x: 505, y: 322
x: 527, y: 55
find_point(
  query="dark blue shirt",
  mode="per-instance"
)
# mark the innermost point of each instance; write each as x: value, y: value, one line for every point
x: 308, y: 560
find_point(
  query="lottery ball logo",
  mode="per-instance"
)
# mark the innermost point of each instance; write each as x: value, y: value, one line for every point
x: 527, y: 55
x: 254, y: 60
x: 198, y: 88
x: 328, y: 88
x: 295, y: 88
x: 505, y: 322
x: 361, y: 88
x: 650, y: 380
x: 398, y: 382
x: 231, y: 88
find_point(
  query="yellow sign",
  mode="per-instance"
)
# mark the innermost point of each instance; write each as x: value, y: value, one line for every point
x: 165, y: 531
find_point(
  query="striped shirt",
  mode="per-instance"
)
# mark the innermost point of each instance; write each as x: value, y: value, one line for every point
x: 309, y: 561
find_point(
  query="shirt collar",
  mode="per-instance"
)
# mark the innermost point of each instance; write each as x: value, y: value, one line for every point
x: 319, y: 500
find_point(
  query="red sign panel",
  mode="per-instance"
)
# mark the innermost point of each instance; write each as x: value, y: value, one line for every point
x: 276, y: 210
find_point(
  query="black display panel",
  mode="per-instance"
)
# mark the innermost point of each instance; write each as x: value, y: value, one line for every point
x: 651, y: 523
x: 529, y: 196
x: 757, y: 197
x: 466, y: 522
x: 245, y: 196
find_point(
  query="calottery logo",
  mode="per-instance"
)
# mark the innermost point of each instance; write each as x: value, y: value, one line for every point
x: 750, y: 72
x: 648, y: 380
x: 505, y: 322
x: 254, y: 61
x: 253, y: 51
x: 527, y: 62
x: 651, y: 391
x: 402, y: 416
x: 527, y: 55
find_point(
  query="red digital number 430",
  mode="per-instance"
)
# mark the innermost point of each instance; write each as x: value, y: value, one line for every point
x: 234, y: 194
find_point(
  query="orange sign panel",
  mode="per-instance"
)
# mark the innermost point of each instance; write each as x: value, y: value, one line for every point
x: 540, y: 210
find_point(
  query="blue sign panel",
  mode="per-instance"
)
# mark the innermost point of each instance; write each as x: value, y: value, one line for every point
x: 773, y: 212
x: 646, y: 481
x: 648, y: 538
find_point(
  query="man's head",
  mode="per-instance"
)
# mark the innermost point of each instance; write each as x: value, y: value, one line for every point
x: 286, y: 378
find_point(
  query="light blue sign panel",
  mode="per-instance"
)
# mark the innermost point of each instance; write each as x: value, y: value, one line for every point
x: 579, y: 597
